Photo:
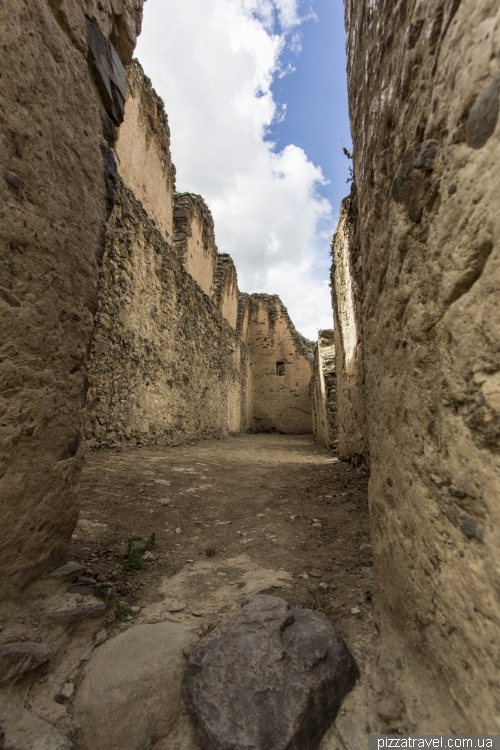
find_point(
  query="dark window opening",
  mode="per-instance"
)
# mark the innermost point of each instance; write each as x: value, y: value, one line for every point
x: 280, y: 368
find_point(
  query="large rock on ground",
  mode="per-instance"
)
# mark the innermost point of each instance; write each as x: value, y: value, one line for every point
x: 269, y: 678
x: 132, y: 689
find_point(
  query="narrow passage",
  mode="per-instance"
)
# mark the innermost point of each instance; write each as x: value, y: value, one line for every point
x: 274, y: 513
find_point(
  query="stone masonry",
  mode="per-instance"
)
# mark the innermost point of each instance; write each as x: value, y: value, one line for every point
x: 324, y: 390
x: 143, y: 150
x: 417, y: 273
x: 346, y: 287
x: 169, y: 362
x: 282, y: 368
x: 194, y: 238
x: 225, y: 288
x: 165, y: 367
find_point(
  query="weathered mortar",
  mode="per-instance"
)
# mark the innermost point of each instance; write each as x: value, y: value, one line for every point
x: 143, y: 149
x: 165, y: 366
x: 281, y: 403
x: 194, y: 238
x: 53, y: 207
x: 324, y: 390
x: 225, y: 288
x: 424, y: 103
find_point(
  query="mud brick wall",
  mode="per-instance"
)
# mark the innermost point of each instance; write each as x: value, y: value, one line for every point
x: 225, y: 288
x: 281, y: 402
x: 52, y: 212
x: 143, y: 149
x: 165, y: 366
x: 324, y: 390
x: 194, y: 238
x: 424, y: 80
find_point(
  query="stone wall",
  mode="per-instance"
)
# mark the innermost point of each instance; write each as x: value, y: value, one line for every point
x: 194, y: 238
x: 165, y: 366
x: 52, y: 211
x: 324, y: 390
x: 282, y: 402
x: 143, y: 149
x: 424, y: 102
x: 347, y: 291
x: 225, y: 288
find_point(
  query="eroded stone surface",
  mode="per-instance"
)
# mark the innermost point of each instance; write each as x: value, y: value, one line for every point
x: 270, y: 677
x: 53, y: 209
x: 131, y: 691
x: 422, y: 259
x: 18, y: 658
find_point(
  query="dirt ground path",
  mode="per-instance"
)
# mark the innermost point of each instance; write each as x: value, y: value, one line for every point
x: 270, y: 513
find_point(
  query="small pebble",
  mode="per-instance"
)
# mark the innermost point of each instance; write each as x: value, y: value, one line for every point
x: 135, y: 610
x: 316, y: 525
x: 355, y: 611
x: 67, y: 691
x: 304, y: 576
x: 178, y: 530
x: 323, y: 586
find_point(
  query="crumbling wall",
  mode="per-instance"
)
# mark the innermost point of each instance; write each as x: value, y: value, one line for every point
x: 424, y: 81
x: 143, y: 149
x: 347, y: 293
x: 165, y: 367
x: 281, y: 402
x: 194, y: 238
x: 225, y: 288
x: 324, y: 390
x: 52, y: 211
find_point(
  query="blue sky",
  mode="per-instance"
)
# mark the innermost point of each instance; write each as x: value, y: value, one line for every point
x: 315, y: 94
x: 274, y: 184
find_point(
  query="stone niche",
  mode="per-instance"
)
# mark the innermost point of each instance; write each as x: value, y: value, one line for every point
x: 194, y: 238
x: 324, y: 390
x: 282, y: 367
x: 52, y: 213
x: 424, y: 100
x: 225, y: 289
x: 143, y: 150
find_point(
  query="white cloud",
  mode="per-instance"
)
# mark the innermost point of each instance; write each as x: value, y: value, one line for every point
x: 213, y: 62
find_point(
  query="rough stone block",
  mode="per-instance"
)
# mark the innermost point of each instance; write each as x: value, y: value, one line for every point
x: 269, y: 678
x: 132, y: 690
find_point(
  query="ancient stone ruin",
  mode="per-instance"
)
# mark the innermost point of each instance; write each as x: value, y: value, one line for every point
x: 123, y: 327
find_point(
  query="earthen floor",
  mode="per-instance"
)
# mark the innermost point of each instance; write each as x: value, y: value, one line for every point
x: 273, y: 513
